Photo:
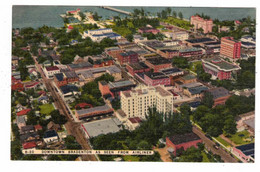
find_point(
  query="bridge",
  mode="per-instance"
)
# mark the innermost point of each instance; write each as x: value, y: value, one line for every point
x: 116, y: 10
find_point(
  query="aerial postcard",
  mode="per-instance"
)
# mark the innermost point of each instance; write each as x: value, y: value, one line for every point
x: 133, y: 83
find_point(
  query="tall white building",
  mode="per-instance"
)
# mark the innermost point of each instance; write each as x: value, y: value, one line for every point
x: 136, y: 102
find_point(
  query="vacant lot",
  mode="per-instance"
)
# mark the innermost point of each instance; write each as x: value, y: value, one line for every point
x: 46, y: 109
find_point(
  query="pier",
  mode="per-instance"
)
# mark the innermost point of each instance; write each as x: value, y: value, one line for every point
x: 116, y: 10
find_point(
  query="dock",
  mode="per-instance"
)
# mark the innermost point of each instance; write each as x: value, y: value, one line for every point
x: 116, y: 10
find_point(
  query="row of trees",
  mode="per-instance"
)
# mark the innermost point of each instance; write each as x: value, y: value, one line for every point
x: 156, y: 126
x: 236, y: 32
x: 85, y: 48
x: 164, y: 14
x: 221, y: 119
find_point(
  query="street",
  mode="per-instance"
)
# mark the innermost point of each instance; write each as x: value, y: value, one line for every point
x: 209, y: 144
x: 72, y: 127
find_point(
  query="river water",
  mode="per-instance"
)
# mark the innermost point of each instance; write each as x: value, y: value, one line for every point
x: 37, y: 16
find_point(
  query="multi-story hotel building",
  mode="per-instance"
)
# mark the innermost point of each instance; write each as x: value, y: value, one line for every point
x: 230, y: 48
x: 136, y: 102
x: 199, y: 22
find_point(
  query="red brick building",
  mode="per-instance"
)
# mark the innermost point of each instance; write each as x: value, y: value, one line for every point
x: 103, y: 63
x: 219, y: 68
x: 158, y: 63
x: 156, y: 78
x: 189, y: 52
x: 134, y: 68
x: 168, y: 53
x: 199, y: 22
x: 97, y: 111
x: 230, y: 48
x: 67, y: 77
x: 128, y: 57
x: 113, y: 52
x: 184, y: 141
x: 220, y: 95
x: 113, y: 89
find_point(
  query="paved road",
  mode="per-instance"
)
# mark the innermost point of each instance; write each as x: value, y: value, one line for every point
x: 209, y: 144
x: 72, y: 127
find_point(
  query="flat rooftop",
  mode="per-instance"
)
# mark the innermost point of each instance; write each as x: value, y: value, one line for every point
x: 197, y: 90
x: 80, y: 65
x: 120, y: 84
x: 188, y: 77
x: 158, y: 60
x: 248, y: 149
x: 218, y: 92
x: 103, y: 126
x: 94, y: 109
x: 189, y: 50
x: 184, y: 138
x: 171, y: 71
x: 162, y: 92
x: 250, y: 123
x: 156, y: 75
x: 199, y: 40
x: 222, y: 64
x: 138, y: 66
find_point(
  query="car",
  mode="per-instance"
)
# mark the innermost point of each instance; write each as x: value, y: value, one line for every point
x: 216, y: 147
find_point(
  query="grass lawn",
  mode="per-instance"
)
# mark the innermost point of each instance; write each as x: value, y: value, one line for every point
x: 205, y: 158
x: 46, y: 109
x: 240, y: 138
x: 131, y: 158
x: 178, y: 22
x: 222, y: 141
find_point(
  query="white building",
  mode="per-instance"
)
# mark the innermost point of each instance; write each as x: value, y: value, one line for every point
x: 180, y: 35
x: 248, y: 39
x: 136, y: 102
x: 50, y: 71
x: 99, y: 34
x: 138, y: 38
x: 50, y: 136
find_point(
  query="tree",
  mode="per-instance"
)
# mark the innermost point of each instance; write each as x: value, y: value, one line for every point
x: 174, y: 14
x: 82, y: 16
x: 185, y: 109
x: 95, y: 16
x: 71, y: 143
x: 169, y: 10
x: 22, y: 100
x: 207, y: 99
x: 200, y: 30
x: 230, y: 126
x: 180, y: 15
x: 191, y: 155
x: 129, y: 37
x: 32, y: 119
x: 180, y: 62
x: 143, y: 145
x: 16, y: 153
x: 57, y: 118
x: 201, y: 74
